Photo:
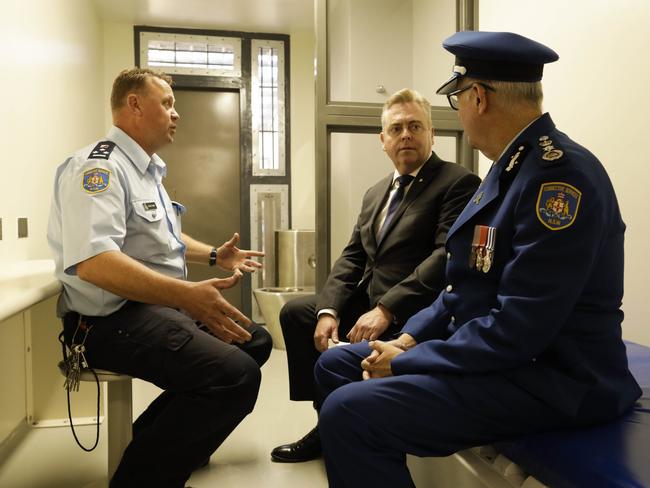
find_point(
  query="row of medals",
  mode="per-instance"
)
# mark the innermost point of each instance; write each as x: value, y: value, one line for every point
x: 481, y: 256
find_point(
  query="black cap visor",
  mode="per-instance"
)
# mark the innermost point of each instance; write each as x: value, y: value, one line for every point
x: 449, y: 85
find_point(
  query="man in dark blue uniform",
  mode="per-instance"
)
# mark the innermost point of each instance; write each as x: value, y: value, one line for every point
x: 526, y: 336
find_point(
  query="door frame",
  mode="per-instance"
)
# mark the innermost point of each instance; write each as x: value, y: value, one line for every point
x: 241, y: 84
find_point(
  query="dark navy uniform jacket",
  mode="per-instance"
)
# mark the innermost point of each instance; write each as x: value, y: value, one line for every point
x: 546, y: 314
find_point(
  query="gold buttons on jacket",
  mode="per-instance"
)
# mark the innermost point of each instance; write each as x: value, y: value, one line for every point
x: 449, y: 288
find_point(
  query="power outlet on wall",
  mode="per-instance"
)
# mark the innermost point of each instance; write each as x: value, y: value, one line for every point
x: 22, y: 227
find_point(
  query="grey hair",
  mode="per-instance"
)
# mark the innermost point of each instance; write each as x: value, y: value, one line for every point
x: 406, y: 95
x: 513, y: 93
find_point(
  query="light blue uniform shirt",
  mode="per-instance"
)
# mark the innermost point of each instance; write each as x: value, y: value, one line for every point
x: 112, y: 200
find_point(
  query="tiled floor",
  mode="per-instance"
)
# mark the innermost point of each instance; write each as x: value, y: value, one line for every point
x: 49, y: 457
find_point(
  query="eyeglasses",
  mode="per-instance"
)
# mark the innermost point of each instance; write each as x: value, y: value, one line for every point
x: 452, y: 97
x: 414, y: 127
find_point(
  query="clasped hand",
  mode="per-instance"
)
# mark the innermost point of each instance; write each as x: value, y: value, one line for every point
x: 231, y: 258
x: 377, y: 364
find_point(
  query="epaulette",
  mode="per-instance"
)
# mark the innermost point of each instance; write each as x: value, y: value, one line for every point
x: 550, y: 155
x: 515, y: 160
x: 102, y: 150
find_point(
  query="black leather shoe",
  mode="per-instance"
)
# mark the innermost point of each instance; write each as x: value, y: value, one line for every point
x: 305, y: 449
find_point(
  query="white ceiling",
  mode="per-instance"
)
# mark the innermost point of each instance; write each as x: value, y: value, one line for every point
x: 269, y: 16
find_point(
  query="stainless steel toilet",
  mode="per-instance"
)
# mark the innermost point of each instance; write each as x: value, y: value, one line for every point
x: 295, y: 276
x: 271, y: 300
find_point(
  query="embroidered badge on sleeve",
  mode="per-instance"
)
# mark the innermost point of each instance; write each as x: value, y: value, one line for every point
x: 96, y: 180
x: 557, y: 205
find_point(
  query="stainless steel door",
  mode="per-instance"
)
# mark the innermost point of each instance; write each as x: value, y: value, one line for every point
x: 203, y: 172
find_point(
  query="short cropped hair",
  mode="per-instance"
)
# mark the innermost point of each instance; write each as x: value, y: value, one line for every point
x: 406, y: 95
x: 132, y: 80
x: 513, y: 93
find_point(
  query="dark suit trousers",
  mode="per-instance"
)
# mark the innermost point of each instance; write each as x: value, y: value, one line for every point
x: 210, y: 386
x: 298, y: 320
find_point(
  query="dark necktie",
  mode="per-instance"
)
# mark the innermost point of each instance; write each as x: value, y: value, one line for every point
x: 402, y: 182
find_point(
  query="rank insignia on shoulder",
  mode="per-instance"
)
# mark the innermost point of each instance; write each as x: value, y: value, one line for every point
x: 557, y: 205
x: 96, y: 180
x: 102, y: 150
x: 515, y: 158
x: 549, y: 152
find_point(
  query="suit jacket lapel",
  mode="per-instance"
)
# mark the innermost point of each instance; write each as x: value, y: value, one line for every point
x: 420, y: 182
x: 484, y: 194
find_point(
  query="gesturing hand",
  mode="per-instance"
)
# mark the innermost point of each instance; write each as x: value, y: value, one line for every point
x: 205, y: 303
x: 377, y: 364
x: 231, y: 258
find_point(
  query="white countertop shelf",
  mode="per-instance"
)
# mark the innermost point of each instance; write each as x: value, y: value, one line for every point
x: 25, y: 283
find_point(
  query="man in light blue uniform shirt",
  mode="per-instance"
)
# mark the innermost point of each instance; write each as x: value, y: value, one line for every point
x: 120, y: 253
x: 526, y: 335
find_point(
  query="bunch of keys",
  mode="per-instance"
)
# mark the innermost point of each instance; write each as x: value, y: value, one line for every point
x: 76, y: 361
x: 73, y: 365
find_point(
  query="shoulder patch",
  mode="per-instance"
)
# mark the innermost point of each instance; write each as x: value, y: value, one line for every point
x: 102, y: 150
x: 96, y: 180
x: 557, y: 205
x: 550, y: 154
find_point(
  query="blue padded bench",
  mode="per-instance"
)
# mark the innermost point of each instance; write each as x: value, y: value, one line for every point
x: 616, y: 454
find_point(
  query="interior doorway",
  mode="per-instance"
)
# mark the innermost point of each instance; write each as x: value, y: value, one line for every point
x: 203, y: 172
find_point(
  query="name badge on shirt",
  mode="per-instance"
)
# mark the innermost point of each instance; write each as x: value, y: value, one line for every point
x: 149, y: 205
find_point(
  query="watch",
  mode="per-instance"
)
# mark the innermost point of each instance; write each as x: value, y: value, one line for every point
x: 213, y: 257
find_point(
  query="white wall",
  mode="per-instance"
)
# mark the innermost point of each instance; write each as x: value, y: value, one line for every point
x: 596, y: 94
x: 51, y: 83
x: 118, y: 55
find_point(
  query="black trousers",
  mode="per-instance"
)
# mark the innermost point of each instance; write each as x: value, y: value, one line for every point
x: 210, y: 386
x: 298, y: 320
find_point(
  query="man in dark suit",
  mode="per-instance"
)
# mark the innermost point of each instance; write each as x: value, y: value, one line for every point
x: 394, y: 264
x: 526, y: 335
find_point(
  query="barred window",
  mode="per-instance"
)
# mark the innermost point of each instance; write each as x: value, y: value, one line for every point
x: 190, y: 54
x: 268, y: 107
